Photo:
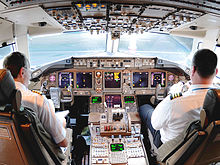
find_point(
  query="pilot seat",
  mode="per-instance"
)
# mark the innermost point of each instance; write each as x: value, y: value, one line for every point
x: 23, y: 139
x: 199, y: 143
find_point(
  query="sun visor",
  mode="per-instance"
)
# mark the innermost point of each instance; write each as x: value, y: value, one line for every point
x: 6, y: 32
x: 37, y: 21
x: 34, y: 31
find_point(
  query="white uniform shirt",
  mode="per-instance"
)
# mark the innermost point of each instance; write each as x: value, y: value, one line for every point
x: 171, y: 116
x: 44, y: 111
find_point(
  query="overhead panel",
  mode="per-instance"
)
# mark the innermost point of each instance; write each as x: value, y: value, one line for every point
x: 120, y: 16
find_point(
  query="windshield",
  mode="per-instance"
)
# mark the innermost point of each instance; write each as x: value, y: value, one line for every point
x: 165, y: 46
x: 49, y: 48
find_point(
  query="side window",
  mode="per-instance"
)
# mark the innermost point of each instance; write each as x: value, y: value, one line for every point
x: 4, y: 51
x: 217, y: 51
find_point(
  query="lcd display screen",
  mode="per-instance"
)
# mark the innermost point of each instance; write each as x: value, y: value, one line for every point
x: 84, y: 80
x: 112, y: 79
x: 158, y: 78
x: 129, y: 99
x: 140, y: 79
x: 96, y: 99
x: 113, y: 101
x: 52, y: 78
x: 65, y: 79
x: 117, y: 147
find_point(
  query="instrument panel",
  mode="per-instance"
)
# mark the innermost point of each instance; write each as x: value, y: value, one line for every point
x: 113, y: 83
x: 101, y: 81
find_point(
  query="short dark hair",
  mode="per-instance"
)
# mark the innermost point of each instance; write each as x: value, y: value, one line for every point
x: 205, y: 62
x: 14, y: 62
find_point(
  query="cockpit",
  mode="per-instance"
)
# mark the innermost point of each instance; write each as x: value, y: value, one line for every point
x: 98, y: 62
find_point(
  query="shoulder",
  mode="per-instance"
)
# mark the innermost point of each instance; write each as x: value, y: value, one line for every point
x: 37, y: 94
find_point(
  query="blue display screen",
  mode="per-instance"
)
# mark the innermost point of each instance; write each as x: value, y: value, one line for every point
x: 84, y: 80
x: 140, y: 79
x: 65, y: 79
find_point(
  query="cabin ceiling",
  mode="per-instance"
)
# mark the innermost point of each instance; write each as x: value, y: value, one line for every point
x: 115, y: 16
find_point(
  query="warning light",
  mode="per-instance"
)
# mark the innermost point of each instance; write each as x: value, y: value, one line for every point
x: 79, y: 5
x: 88, y: 7
x: 94, y: 5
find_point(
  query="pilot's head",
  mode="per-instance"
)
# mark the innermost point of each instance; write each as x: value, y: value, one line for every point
x: 19, y: 67
x: 203, y: 67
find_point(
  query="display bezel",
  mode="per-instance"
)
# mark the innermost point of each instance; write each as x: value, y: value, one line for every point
x: 114, y: 94
x: 128, y: 102
x: 62, y: 72
x: 104, y: 80
x: 117, y: 147
x: 157, y: 71
x: 96, y: 96
x: 76, y: 80
x: 147, y: 80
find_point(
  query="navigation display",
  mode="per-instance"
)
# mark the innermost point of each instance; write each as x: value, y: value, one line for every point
x: 117, y: 147
x: 96, y: 99
x: 112, y: 79
x: 113, y: 101
x: 65, y: 79
x: 84, y: 80
x: 140, y: 79
x: 158, y: 78
x: 129, y: 99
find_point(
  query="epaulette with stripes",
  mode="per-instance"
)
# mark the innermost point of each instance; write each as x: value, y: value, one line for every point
x: 38, y: 92
x: 175, y: 95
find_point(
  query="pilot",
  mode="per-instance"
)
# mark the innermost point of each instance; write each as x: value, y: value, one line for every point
x: 19, y: 66
x: 171, y: 115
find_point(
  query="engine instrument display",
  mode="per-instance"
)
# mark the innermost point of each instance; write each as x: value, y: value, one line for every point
x: 96, y: 99
x: 84, y: 80
x: 158, y: 78
x: 117, y: 147
x: 112, y: 79
x: 65, y: 79
x: 140, y: 79
x: 113, y: 101
x: 129, y: 99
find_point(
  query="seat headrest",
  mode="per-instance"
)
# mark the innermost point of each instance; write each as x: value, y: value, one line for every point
x: 212, y: 105
x: 7, y: 87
